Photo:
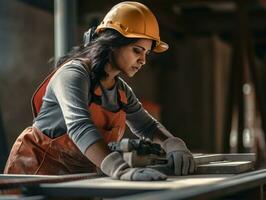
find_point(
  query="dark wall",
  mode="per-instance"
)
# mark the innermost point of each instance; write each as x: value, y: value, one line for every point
x: 3, y: 145
x: 189, y: 90
x: 26, y: 36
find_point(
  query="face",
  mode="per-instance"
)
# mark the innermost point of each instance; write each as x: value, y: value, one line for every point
x: 129, y: 59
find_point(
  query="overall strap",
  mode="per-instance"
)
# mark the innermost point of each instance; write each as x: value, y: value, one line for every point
x: 97, y: 94
x: 96, y: 91
x: 37, y: 98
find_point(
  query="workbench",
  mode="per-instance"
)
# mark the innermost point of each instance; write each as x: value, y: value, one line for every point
x: 250, y: 184
x: 246, y: 185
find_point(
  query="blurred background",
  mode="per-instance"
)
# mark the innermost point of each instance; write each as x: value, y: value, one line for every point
x: 209, y: 88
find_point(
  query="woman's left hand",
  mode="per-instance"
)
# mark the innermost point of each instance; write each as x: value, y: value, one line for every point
x: 179, y: 157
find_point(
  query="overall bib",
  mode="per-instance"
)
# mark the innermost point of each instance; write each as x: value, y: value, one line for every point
x: 35, y: 153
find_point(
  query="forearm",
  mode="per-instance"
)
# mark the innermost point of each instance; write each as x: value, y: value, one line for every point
x: 161, y: 134
x: 168, y: 141
x: 97, y: 152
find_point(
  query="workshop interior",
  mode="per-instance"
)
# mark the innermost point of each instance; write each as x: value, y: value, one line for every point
x: 208, y: 88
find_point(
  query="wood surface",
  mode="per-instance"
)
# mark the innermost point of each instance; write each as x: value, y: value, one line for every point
x: 224, y: 163
x: 171, y: 182
x: 225, y: 167
x: 8, y: 181
x: 182, y: 187
x: 108, y: 188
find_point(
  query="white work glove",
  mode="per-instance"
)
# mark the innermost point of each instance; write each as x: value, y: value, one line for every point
x: 179, y: 156
x: 114, y: 166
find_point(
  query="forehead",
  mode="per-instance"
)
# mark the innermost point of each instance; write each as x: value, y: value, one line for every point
x: 145, y: 43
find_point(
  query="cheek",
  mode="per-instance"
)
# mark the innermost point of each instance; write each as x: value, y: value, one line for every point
x: 126, y: 60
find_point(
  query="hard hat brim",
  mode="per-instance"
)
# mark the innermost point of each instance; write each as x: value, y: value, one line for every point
x: 160, y: 45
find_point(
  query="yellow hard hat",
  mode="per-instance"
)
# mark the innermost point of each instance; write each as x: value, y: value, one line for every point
x: 133, y: 20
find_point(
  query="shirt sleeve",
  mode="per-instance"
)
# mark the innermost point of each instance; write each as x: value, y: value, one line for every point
x: 139, y: 121
x: 71, y: 86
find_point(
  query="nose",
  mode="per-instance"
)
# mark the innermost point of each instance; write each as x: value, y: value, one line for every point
x: 142, y: 59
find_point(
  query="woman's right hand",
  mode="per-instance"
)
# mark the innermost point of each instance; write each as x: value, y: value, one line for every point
x: 114, y: 166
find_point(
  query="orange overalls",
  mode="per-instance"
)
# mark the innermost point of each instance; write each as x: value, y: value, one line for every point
x: 35, y: 153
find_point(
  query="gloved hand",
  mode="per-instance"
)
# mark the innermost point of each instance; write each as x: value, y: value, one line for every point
x: 114, y: 166
x: 179, y: 157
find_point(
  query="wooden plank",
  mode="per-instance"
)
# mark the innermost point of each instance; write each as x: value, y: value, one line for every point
x: 226, y: 188
x: 8, y: 181
x: 202, y: 159
x: 207, y: 158
x: 108, y: 188
x: 225, y: 167
x: 240, y: 157
x: 180, y: 187
x: 224, y: 163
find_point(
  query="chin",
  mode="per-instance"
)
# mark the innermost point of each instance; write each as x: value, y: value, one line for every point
x: 130, y: 74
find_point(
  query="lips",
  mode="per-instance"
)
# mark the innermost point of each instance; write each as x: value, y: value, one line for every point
x: 135, y: 68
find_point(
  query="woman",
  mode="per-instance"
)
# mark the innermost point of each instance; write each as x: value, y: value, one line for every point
x: 83, y: 105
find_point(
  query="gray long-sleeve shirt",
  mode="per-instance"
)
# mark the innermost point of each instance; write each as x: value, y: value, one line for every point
x: 65, y: 107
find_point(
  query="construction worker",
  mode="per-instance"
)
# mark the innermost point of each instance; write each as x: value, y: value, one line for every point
x: 84, y: 104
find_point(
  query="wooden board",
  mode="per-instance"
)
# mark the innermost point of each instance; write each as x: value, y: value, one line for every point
x: 207, y: 158
x: 182, y: 187
x: 225, y: 167
x: 106, y: 187
x: 224, y: 163
x: 8, y: 181
x: 248, y: 185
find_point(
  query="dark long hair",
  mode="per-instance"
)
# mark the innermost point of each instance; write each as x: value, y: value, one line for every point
x: 97, y: 50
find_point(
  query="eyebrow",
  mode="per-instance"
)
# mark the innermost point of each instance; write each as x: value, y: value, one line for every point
x: 148, y: 50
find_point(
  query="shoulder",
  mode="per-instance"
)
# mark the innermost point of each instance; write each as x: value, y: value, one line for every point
x: 122, y: 85
x: 73, y: 68
x: 72, y: 72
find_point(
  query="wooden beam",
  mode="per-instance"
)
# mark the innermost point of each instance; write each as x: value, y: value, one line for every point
x: 8, y: 181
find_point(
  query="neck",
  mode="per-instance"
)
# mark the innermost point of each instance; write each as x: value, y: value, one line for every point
x: 112, y: 72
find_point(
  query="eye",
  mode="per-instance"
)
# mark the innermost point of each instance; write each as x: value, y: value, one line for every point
x: 137, y: 50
